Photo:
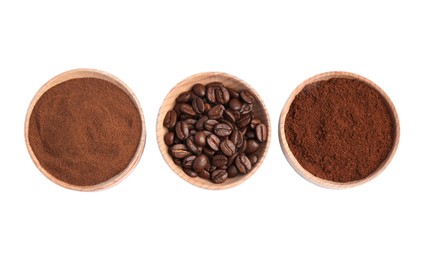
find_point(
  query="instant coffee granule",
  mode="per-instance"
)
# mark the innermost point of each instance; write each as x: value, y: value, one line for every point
x: 84, y: 131
x: 339, y: 129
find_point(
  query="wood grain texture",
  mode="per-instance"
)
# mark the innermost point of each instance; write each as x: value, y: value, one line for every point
x: 229, y: 81
x: 85, y: 73
x: 293, y: 161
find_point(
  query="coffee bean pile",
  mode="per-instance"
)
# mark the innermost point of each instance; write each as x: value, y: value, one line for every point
x: 213, y: 133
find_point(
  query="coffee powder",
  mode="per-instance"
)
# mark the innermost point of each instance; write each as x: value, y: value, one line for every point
x: 339, y: 129
x: 84, y: 131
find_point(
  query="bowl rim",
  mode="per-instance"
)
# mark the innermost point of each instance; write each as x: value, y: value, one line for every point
x: 87, y: 73
x: 294, y: 162
x: 163, y: 148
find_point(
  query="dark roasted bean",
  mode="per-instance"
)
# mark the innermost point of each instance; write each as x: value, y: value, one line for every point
x: 222, y: 95
x: 216, y: 112
x: 222, y: 129
x: 247, y: 96
x: 261, y: 132
x: 245, y: 109
x: 190, y: 143
x: 188, y: 161
x: 178, y: 162
x: 182, y: 130
x: 237, y: 138
x: 210, y: 94
x: 199, y: 90
x: 244, y: 120
x: 233, y: 93
x: 235, y: 104
x: 219, y: 176
x: 231, y: 159
x: 254, y: 123
x: 251, y: 146
x: 209, y: 124
x: 198, y: 105
x: 219, y: 160
x: 230, y: 115
x: 184, y: 97
x: 179, y: 151
x: 213, y: 142
x: 204, y: 174
x: 243, y: 164
x: 187, y: 110
x: 232, y: 171
x: 200, y: 163
x: 200, y: 123
x: 208, y: 151
x: 253, y: 158
x: 200, y: 138
x: 190, y: 173
x: 227, y: 147
x: 169, y: 138
x: 170, y: 119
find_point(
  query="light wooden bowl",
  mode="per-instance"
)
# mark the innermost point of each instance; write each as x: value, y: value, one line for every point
x: 229, y: 81
x: 293, y: 161
x: 88, y: 73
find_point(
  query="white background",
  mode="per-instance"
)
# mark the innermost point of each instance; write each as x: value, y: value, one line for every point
x: 154, y: 214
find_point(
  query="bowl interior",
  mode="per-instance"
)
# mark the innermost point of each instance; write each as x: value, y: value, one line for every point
x: 294, y: 162
x: 88, y: 73
x: 229, y: 81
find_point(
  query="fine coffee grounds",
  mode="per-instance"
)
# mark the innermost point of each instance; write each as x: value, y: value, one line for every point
x: 213, y: 133
x: 84, y: 131
x: 339, y: 129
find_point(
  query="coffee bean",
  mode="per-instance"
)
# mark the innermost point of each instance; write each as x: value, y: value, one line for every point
x: 170, y: 119
x: 176, y: 108
x: 190, y: 121
x: 199, y: 90
x: 198, y: 105
x: 232, y: 171
x: 178, y: 162
x: 235, y: 104
x: 251, y: 146
x: 200, y: 123
x: 222, y: 130
x: 246, y: 108
x: 250, y: 134
x: 207, y: 107
x: 211, y: 167
x: 209, y: 124
x: 190, y: 173
x: 243, y: 146
x: 261, y: 132
x: 213, y: 142
x: 253, y: 158
x: 179, y: 151
x: 188, y: 161
x: 227, y: 147
x: 233, y: 93
x: 204, y: 174
x: 244, y: 120
x: 200, y: 138
x: 187, y: 110
x: 210, y: 94
x: 184, y: 97
x: 219, y: 160
x: 216, y: 112
x: 243, y: 164
x: 219, y: 176
x: 208, y: 151
x: 182, y: 130
x: 237, y: 138
x: 222, y: 95
x: 247, y: 96
x: 254, y: 123
x: 231, y: 159
x: 169, y: 138
x: 190, y: 143
x: 200, y: 163
x: 230, y: 115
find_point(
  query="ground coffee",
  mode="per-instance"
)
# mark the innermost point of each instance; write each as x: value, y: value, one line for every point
x: 339, y: 129
x: 84, y: 131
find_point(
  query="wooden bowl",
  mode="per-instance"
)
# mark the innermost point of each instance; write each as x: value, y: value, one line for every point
x: 229, y: 81
x: 293, y: 161
x: 87, y: 73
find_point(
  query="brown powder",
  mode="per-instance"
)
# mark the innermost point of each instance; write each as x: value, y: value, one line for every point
x: 84, y: 131
x: 339, y: 129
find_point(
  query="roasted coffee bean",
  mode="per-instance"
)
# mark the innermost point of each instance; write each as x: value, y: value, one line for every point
x: 243, y: 164
x: 219, y: 160
x: 213, y: 142
x: 200, y: 163
x: 235, y: 104
x: 178, y: 162
x: 170, y: 119
x: 176, y: 108
x: 169, y: 138
x: 231, y: 159
x: 214, y: 84
x: 230, y: 115
x: 187, y: 110
x: 188, y: 161
x: 209, y: 124
x: 200, y: 123
x: 211, y: 167
x: 222, y: 129
x: 204, y: 174
x: 237, y: 138
x: 190, y: 121
x: 243, y: 146
x: 247, y: 96
x: 207, y: 107
x: 199, y: 90
x: 261, y: 132
x: 253, y: 158
x: 190, y: 173
x: 246, y: 108
x: 179, y: 151
x: 227, y: 147
x: 222, y: 95
x: 219, y: 176
x: 244, y: 120
x: 200, y: 138
x: 190, y: 143
x: 208, y: 151
x: 243, y: 130
x: 232, y: 171
x: 198, y: 105
x: 250, y: 134
x: 184, y: 97
x: 182, y: 130
x: 233, y: 93
x: 254, y: 123
x: 251, y: 146
x: 216, y: 112
x: 210, y: 94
